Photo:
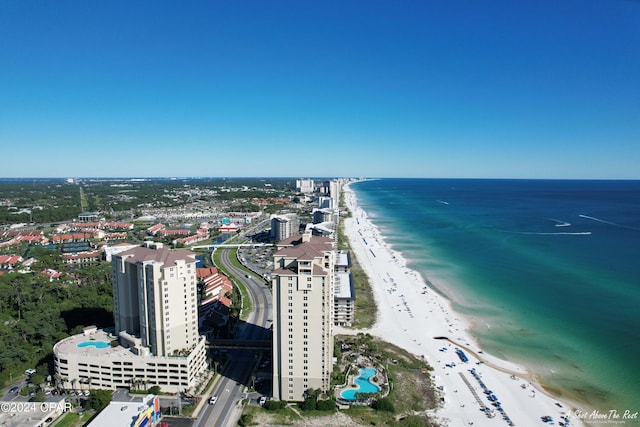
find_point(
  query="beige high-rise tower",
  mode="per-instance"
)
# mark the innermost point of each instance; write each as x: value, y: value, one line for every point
x: 302, y: 316
x: 155, y: 298
x: 156, y: 316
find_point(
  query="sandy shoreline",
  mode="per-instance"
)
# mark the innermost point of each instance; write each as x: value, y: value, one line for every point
x: 411, y: 315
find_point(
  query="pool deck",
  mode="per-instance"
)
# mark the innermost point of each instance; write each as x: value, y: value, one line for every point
x: 70, y: 345
x: 352, y: 377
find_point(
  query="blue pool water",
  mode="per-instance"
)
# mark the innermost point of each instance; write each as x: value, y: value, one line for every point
x: 96, y: 344
x: 363, y: 383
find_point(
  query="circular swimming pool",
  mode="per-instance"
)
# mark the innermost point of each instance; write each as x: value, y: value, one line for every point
x: 364, y: 385
x: 96, y: 344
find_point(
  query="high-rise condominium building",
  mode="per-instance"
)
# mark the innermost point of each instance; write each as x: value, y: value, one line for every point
x: 305, y: 185
x: 302, y: 316
x: 155, y: 297
x: 156, y: 340
x: 284, y: 226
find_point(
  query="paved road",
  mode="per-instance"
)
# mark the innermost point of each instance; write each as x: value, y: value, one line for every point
x: 242, y: 363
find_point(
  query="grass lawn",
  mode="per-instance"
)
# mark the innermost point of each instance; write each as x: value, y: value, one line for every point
x: 366, y: 309
x: 72, y: 419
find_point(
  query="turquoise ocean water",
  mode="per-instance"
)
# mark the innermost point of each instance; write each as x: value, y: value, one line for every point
x: 548, y: 271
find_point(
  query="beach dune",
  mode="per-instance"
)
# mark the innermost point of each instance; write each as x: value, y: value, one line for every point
x: 413, y: 316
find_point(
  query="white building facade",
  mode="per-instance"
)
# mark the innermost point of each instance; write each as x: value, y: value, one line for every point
x: 344, y: 293
x: 284, y: 226
x: 305, y: 185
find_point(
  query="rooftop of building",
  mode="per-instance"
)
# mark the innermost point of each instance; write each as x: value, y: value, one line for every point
x: 97, y: 342
x: 158, y: 253
x: 343, y: 259
x: 305, y: 247
x: 91, y: 342
x: 126, y: 413
x: 33, y: 413
x: 342, y: 286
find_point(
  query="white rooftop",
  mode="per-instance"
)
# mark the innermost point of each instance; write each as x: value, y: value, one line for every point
x: 342, y: 286
x: 123, y: 414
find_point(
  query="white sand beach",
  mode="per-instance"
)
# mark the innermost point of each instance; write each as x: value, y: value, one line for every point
x: 411, y: 314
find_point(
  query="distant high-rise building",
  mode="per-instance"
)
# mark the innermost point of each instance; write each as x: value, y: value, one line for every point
x: 334, y: 190
x: 302, y: 316
x: 305, y: 185
x: 322, y: 215
x: 284, y: 226
x: 325, y: 202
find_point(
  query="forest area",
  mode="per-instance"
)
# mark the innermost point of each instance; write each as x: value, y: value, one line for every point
x: 35, y: 313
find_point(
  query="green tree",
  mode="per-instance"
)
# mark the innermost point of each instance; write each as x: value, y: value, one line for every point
x: 99, y: 399
x: 274, y: 405
x: 37, y: 379
x: 309, y: 404
x: 384, y: 404
x: 326, y: 405
x: 245, y: 420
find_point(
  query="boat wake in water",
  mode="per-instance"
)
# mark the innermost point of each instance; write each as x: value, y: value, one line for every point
x: 592, y: 218
x: 560, y: 223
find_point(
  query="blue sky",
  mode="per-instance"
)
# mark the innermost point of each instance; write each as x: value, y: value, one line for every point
x: 478, y: 88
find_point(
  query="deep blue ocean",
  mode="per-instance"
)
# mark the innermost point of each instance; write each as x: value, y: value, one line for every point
x: 547, y: 270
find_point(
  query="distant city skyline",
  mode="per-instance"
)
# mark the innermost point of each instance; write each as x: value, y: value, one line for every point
x: 462, y: 89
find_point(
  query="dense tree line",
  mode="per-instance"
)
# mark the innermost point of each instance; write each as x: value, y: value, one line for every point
x: 61, y: 201
x: 35, y: 313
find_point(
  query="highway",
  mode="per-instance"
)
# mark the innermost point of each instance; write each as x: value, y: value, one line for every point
x: 241, y: 362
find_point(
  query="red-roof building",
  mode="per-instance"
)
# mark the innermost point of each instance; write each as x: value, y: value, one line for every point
x: 9, y: 262
x: 228, y: 228
x: 179, y: 232
x: 215, y: 286
x: 202, y: 235
x: 115, y: 236
x: 155, y: 228
x: 71, y: 237
x: 53, y: 274
x: 82, y: 258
